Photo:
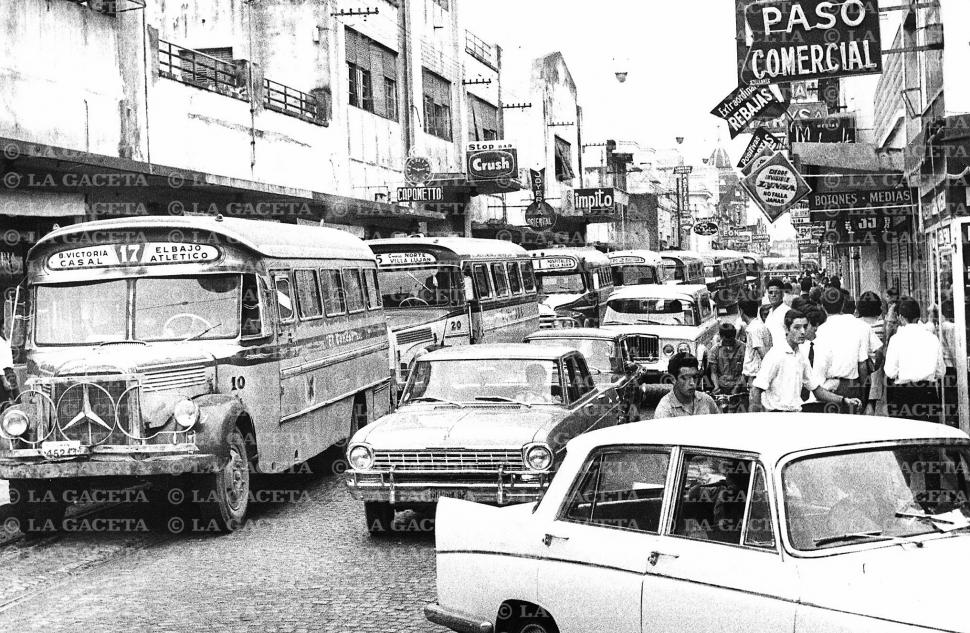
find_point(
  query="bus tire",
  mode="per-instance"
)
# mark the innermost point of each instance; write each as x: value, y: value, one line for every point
x: 225, y: 494
x: 38, y: 506
x: 379, y: 516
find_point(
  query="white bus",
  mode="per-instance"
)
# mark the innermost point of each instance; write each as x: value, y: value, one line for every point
x: 215, y: 347
x: 441, y: 291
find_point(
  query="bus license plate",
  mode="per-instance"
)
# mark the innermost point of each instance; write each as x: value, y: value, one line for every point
x: 62, y: 450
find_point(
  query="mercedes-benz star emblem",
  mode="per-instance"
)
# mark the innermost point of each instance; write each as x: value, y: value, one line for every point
x: 86, y: 413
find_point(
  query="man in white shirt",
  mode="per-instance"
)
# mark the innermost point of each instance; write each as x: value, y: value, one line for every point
x: 914, y: 362
x: 8, y: 379
x: 813, y: 355
x: 844, y: 367
x: 757, y: 340
x: 775, y: 321
x: 785, y: 372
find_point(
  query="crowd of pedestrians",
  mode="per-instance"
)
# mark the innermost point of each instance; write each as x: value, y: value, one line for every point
x: 809, y: 346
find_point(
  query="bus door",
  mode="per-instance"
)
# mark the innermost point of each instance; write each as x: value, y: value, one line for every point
x: 285, y: 334
x: 478, y: 282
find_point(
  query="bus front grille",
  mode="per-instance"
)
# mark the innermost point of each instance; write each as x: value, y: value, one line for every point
x: 414, y: 336
x: 96, y: 412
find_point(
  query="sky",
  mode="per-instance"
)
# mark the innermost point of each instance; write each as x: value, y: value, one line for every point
x: 680, y: 56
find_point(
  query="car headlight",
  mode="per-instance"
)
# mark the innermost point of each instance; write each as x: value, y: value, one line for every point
x: 684, y: 348
x: 538, y: 457
x: 14, y: 423
x: 186, y: 413
x: 360, y: 457
x: 668, y: 350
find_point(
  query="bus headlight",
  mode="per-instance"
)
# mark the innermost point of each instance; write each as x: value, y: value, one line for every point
x: 186, y: 413
x: 684, y: 348
x: 668, y: 350
x: 361, y: 457
x: 538, y: 457
x: 14, y: 423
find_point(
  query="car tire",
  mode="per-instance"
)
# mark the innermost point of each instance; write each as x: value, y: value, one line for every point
x: 535, y: 624
x: 379, y: 516
x: 225, y: 494
x: 38, y: 506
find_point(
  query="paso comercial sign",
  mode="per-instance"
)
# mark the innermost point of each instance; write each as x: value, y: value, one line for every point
x: 795, y: 40
x: 491, y: 160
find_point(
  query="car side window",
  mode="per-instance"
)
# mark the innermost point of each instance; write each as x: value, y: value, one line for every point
x: 515, y: 278
x: 584, y: 378
x: 705, y: 304
x: 712, y: 498
x: 308, y: 294
x: 620, y: 489
x: 284, y: 296
x: 334, y: 298
x: 528, y: 276
x: 758, y: 531
x: 573, y: 378
x: 501, y: 280
x: 482, y: 284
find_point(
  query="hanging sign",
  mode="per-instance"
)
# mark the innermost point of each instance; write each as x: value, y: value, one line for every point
x: 744, y: 104
x: 762, y: 139
x: 776, y: 186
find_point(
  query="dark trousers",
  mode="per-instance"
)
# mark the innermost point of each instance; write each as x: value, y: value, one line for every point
x: 850, y: 388
x: 820, y: 407
x: 917, y: 401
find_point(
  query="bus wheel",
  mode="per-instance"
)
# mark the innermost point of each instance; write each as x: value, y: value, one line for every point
x: 225, y: 494
x: 38, y: 506
x: 379, y: 516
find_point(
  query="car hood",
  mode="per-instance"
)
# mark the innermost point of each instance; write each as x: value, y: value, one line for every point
x: 419, y: 426
x: 559, y: 300
x: 401, y: 318
x: 686, y: 332
x: 919, y: 586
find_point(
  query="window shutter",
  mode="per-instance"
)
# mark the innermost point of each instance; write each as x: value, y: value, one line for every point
x: 376, y: 58
x: 351, y: 46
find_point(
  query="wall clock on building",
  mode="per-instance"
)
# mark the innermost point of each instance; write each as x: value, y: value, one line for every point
x: 417, y: 170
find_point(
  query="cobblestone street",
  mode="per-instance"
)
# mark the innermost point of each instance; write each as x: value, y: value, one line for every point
x: 304, y: 564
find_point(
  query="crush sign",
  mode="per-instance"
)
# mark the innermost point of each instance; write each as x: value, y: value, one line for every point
x: 144, y: 254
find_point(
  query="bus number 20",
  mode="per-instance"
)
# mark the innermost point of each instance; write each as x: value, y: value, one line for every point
x: 455, y: 325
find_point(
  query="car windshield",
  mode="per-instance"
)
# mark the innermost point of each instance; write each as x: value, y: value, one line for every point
x: 165, y: 308
x: 599, y: 354
x: 422, y: 286
x: 634, y: 275
x: 838, y: 499
x: 652, y: 311
x: 475, y: 381
x: 571, y: 283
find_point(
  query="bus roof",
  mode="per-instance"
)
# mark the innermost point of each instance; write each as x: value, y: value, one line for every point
x: 655, y: 291
x: 459, y: 247
x: 590, y: 255
x: 685, y: 256
x: 722, y: 254
x: 651, y: 258
x: 756, y: 258
x: 272, y: 239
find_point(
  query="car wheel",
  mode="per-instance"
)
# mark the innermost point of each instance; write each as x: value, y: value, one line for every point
x: 225, y: 494
x: 379, y: 516
x: 38, y: 507
x: 536, y: 624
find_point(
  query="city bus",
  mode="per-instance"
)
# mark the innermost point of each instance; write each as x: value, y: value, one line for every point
x: 782, y: 267
x: 442, y: 291
x: 202, y: 347
x: 725, y: 274
x: 574, y: 284
x: 632, y: 268
x: 754, y: 265
x: 683, y: 268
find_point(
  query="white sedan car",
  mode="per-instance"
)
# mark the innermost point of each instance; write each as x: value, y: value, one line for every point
x: 761, y: 522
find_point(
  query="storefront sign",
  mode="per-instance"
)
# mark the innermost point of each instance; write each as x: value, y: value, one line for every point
x: 776, y: 186
x: 683, y: 197
x: 599, y: 201
x: 761, y: 140
x: 540, y: 216
x: 809, y: 39
x: 760, y: 238
x: 744, y: 104
x: 705, y: 228
x: 869, y: 229
x: 143, y: 254
x: 491, y: 160
x: 537, y: 179
x: 404, y: 259
x: 833, y: 129
x: 420, y: 194
x: 831, y: 205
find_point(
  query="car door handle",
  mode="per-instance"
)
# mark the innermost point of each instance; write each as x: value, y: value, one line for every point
x: 655, y: 556
x: 547, y: 539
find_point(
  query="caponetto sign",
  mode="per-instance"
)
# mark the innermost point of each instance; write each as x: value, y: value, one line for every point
x: 143, y: 254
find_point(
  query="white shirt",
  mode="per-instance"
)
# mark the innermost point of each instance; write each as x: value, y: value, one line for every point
x: 805, y: 349
x: 914, y: 355
x: 776, y: 325
x: 758, y: 338
x: 783, y: 375
x: 846, y: 341
x: 6, y: 354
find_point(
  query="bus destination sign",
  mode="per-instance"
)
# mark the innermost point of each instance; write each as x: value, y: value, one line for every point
x: 138, y: 254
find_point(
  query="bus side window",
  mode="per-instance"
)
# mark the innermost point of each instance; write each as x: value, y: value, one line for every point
x: 334, y: 302
x: 373, y: 293
x: 252, y: 313
x: 355, y: 291
x: 482, y: 285
x: 284, y: 296
x: 501, y: 280
x: 515, y: 278
x: 528, y: 276
x: 308, y: 294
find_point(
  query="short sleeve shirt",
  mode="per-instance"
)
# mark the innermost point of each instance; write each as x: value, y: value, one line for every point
x: 784, y: 372
x: 670, y: 407
x: 757, y: 338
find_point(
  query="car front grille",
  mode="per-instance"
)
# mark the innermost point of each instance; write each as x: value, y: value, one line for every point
x: 96, y: 411
x: 644, y: 348
x: 449, y: 459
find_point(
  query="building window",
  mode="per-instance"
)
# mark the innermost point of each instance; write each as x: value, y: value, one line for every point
x: 564, y: 161
x: 442, y: 3
x: 482, y: 120
x: 437, y: 106
x: 372, y: 71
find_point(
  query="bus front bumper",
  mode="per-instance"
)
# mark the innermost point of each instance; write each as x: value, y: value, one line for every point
x: 413, y: 486
x: 107, y: 461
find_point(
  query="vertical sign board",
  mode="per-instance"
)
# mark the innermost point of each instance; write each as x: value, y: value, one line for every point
x: 776, y: 186
x: 795, y: 40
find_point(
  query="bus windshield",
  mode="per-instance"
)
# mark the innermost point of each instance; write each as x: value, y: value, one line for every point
x: 422, y: 286
x: 627, y: 275
x: 652, y: 311
x: 165, y: 309
x: 569, y: 283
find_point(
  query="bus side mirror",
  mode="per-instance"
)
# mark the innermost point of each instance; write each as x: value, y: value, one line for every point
x: 469, y: 289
